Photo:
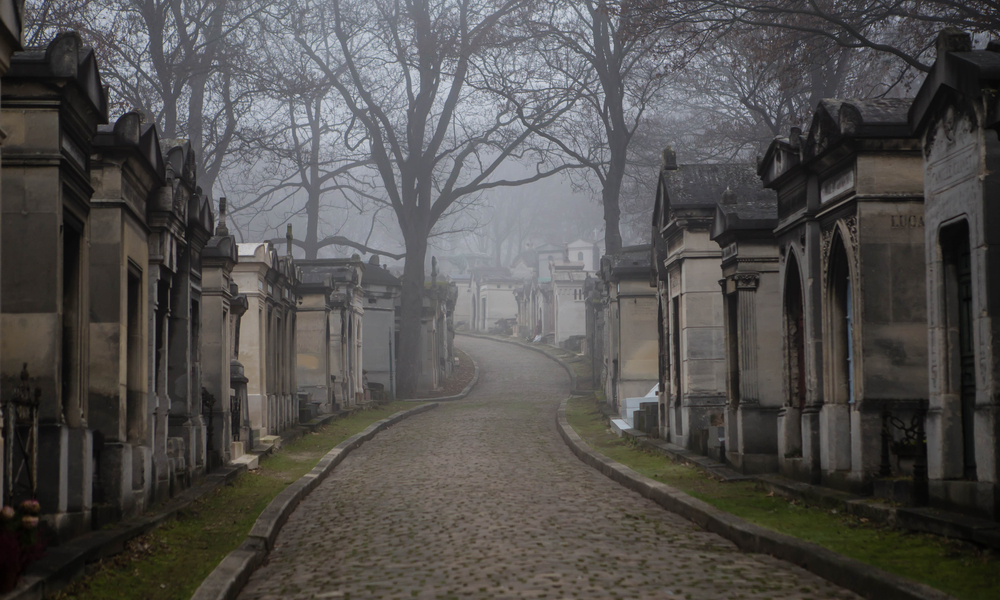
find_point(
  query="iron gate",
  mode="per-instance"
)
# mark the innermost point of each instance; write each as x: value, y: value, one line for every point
x: 20, y: 438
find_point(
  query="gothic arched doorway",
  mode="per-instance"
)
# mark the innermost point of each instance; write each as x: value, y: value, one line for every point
x: 795, y: 359
x: 840, y: 363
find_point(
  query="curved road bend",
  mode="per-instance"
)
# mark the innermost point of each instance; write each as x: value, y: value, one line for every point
x: 482, y: 499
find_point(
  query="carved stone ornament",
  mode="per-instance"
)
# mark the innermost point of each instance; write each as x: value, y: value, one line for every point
x: 746, y: 281
x: 825, y: 243
x: 851, y: 223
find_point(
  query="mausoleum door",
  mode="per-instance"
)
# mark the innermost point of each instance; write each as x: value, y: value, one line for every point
x: 959, y: 318
x: 795, y: 330
x: 967, y: 355
x: 841, y: 349
x: 841, y: 325
x: 135, y: 403
x: 71, y: 358
x: 850, y: 346
x: 733, y: 351
x: 800, y: 356
x: 795, y: 358
x: 675, y: 333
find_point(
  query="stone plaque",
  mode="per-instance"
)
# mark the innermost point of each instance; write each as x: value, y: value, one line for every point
x: 729, y: 252
x: 952, y: 162
x: 837, y: 185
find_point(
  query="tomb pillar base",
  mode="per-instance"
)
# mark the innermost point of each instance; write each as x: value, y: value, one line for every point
x: 65, y: 478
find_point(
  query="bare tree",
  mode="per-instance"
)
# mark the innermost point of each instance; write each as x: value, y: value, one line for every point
x: 44, y: 19
x: 741, y: 91
x: 609, y: 77
x: 902, y: 29
x: 501, y: 225
x: 294, y: 165
x: 187, y: 63
x: 409, y: 73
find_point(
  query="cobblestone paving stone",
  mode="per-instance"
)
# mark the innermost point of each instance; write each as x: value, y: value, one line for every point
x: 482, y: 499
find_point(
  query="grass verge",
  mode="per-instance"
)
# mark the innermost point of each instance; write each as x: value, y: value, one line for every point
x: 172, y: 561
x: 957, y: 568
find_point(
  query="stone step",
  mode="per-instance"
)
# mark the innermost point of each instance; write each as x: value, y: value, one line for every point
x: 271, y: 440
x: 252, y: 461
x: 950, y: 525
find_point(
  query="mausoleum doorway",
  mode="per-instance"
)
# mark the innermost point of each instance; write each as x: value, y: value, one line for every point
x: 960, y: 348
x: 840, y: 357
x: 795, y: 346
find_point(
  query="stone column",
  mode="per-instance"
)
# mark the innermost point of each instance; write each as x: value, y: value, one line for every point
x: 218, y: 260
x: 746, y: 288
x: 179, y: 367
x: 159, y: 298
x: 254, y: 361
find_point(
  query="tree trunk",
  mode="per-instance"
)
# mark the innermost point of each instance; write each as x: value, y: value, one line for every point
x: 411, y: 311
x: 311, y: 241
x: 497, y: 249
x: 313, y: 183
x: 610, y: 196
x: 196, y: 131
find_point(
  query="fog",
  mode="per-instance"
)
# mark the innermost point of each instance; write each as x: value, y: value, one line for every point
x: 481, y: 127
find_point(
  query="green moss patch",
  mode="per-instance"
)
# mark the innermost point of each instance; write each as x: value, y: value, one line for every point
x: 173, y: 560
x: 957, y: 568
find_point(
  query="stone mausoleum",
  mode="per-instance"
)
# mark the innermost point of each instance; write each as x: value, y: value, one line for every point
x: 956, y: 119
x: 744, y: 229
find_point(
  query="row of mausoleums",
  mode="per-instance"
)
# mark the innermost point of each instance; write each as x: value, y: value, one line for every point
x: 541, y: 296
x: 852, y: 280
x: 141, y: 345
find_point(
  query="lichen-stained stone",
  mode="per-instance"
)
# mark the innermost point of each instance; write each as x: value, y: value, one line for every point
x: 482, y: 499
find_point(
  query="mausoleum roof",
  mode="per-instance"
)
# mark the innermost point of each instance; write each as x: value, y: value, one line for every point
x: 836, y: 119
x: 376, y: 275
x: 340, y: 270
x: 705, y: 184
x: 702, y: 187
x: 960, y: 70
x: 65, y: 58
x: 130, y: 130
x: 629, y: 262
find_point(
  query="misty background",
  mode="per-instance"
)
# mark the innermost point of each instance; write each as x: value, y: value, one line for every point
x: 486, y: 127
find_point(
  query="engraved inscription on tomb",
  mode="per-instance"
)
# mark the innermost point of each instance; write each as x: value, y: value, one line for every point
x: 838, y: 184
x: 952, y: 161
x: 906, y: 221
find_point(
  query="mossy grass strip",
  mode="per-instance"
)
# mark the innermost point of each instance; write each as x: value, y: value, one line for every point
x: 172, y: 561
x: 959, y: 569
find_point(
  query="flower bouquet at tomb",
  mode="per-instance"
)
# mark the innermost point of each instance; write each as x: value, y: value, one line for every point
x: 20, y: 542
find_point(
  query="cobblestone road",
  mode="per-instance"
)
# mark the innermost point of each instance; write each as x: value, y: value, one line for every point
x: 482, y: 499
